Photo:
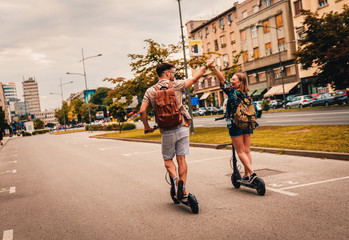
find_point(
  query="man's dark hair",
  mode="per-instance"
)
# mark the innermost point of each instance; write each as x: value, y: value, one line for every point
x: 162, y: 67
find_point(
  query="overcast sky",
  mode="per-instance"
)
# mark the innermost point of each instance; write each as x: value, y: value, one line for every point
x: 44, y: 38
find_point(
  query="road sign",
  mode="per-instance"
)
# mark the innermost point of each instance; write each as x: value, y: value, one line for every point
x: 194, y: 101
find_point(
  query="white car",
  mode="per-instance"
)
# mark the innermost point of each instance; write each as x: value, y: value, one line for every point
x: 300, y: 102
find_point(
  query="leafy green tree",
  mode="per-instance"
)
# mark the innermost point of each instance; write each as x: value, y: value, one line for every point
x: 326, y: 45
x: 144, y: 68
x: 59, y: 113
x: 118, y: 111
x: 39, y: 124
x: 3, y: 123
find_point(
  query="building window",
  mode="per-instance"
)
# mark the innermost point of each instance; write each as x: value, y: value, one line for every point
x: 262, y: 77
x: 243, y: 35
x: 290, y: 70
x: 223, y: 44
x: 206, y: 32
x: 252, y: 78
x: 300, y: 33
x: 322, y: 3
x: 225, y: 61
x: 214, y: 27
x: 208, y: 47
x: 245, y: 56
x: 297, y: 7
x: 266, y: 27
x: 230, y: 18
x: 244, y: 14
x: 221, y: 23
x: 256, y: 53
x: 199, y: 33
x: 218, y: 62
x: 268, y: 49
x: 277, y: 73
x: 282, y: 45
x: 232, y: 38
x: 254, y: 31
x: 216, y: 45
x: 255, y: 9
x: 267, y: 3
x: 279, y: 22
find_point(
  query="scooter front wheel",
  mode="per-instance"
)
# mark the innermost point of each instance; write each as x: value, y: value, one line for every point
x: 234, y: 180
x: 260, y: 186
x: 193, y: 203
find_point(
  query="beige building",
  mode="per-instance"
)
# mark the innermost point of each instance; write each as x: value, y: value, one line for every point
x: 321, y: 6
x: 267, y: 37
x: 31, y: 95
x: 218, y: 36
x: 47, y: 117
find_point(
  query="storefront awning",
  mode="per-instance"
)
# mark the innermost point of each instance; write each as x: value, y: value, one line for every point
x: 251, y: 92
x: 259, y: 92
x: 278, y: 90
x: 205, y: 95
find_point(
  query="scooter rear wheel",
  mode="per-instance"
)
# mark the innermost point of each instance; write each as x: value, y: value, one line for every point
x: 260, y: 186
x: 193, y: 203
x: 234, y: 181
x: 173, y: 196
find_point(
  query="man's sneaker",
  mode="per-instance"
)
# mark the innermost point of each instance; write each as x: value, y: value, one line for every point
x: 245, y: 178
x: 252, y: 177
x: 180, y: 192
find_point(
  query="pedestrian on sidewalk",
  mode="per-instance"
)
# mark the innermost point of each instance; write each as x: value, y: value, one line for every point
x: 1, y: 136
x: 236, y: 89
x: 174, y: 141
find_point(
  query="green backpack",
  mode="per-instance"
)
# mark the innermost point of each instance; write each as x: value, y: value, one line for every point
x: 245, y: 116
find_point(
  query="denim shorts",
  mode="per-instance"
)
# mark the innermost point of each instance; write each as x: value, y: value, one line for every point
x: 175, y: 142
x: 234, y: 131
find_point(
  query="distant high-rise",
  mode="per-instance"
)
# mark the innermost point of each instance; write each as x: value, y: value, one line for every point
x: 31, y: 95
x: 10, y: 91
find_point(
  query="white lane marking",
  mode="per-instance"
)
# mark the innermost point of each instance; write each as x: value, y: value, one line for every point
x: 12, y: 189
x: 206, y: 159
x: 8, y: 235
x: 314, y: 183
x: 9, y: 171
x: 137, y: 153
x: 282, y: 191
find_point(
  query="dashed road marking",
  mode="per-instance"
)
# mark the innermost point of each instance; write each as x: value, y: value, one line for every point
x: 282, y: 191
x: 314, y: 183
x: 8, y: 235
x: 138, y: 153
x: 11, y: 190
x: 9, y: 171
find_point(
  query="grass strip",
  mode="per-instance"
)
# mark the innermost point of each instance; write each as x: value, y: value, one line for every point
x: 328, y: 138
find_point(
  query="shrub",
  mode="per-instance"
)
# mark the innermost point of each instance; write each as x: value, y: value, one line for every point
x: 27, y: 134
x: 128, y: 126
x: 265, y: 105
x: 136, y: 119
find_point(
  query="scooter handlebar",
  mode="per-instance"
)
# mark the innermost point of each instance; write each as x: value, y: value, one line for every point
x: 154, y: 128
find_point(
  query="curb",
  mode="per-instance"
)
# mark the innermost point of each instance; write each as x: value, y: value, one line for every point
x: 303, y: 153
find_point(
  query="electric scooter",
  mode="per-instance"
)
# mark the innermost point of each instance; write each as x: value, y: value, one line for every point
x: 236, y: 178
x: 190, y: 201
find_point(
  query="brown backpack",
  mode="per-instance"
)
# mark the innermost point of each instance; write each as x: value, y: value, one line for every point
x: 245, y: 116
x: 167, y: 113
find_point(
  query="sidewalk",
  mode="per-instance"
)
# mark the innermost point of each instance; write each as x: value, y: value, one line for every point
x: 304, y: 153
x: 5, y: 139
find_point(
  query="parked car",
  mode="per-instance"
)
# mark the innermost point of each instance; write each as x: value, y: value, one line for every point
x: 314, y: 95
x: 340, y: 97
x: 276, y: 103
x: 324, y: 99
x: 200, y: 112
x: 212, y: 110
x: 300, y: 102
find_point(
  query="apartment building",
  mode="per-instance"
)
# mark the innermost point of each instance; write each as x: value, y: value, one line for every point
x: 218, y: 36
x: 266, y: 35
x: 11, y: 96
x: 31, y: 95
x: 47, y: 116
x: 321, y: 6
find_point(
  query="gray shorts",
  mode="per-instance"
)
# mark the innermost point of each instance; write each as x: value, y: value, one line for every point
x: 175, y: 142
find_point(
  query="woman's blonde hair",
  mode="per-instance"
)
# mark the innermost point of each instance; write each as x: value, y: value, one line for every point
x: 244, y: 86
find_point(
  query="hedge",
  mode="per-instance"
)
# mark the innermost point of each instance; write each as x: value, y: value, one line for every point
x: 112, y: 127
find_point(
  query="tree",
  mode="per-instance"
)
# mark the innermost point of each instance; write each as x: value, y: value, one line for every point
x: 118, y: 111
x: 39, y: 124
x: 59, y: 113
x: 326, y: 45
x: 3, y: 123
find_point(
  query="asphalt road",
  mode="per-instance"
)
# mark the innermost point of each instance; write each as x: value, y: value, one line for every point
x: 335, y: 116
x: 74, y: 187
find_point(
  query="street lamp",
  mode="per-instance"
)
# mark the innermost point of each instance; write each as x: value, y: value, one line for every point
x: 61, y: 84
x: 282, y: 77
x: 186, y: 70
x: 84, y: 74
